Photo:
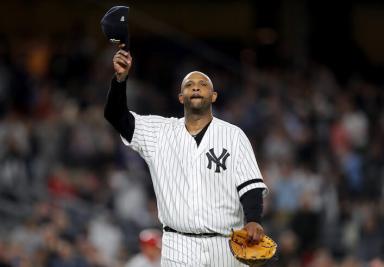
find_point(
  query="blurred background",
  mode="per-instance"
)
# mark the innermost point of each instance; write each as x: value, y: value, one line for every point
x: 304, y: 80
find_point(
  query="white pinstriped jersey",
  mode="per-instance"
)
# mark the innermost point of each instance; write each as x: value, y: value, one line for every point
x: 198, y: 188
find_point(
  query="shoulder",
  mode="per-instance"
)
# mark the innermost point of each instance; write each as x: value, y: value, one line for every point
x: 226, y: 125
x: 155, y: 118
x: 235, y: 131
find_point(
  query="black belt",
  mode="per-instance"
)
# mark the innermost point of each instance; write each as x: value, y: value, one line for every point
x: 169, y: 229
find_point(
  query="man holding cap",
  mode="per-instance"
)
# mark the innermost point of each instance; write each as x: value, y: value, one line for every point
x: 205, y: 175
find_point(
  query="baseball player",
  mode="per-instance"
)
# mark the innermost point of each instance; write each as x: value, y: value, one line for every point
x: 203, y: 169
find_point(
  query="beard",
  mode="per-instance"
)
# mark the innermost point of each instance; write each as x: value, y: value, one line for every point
x: 197, y: 106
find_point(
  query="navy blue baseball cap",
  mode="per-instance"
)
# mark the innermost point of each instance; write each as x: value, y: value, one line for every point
x: 114, y: 25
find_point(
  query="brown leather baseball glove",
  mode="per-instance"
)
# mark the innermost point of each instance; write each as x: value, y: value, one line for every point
x: 251, y: 254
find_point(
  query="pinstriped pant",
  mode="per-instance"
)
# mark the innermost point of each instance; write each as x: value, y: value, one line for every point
x: 181, y: 251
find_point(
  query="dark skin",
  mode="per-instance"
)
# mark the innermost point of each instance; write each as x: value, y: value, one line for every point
x: 197, y: 95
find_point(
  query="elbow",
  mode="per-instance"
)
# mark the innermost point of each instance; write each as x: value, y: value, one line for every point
x: 108, y: 114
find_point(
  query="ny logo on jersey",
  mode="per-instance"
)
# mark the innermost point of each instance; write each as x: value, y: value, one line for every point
x: 219, y: 161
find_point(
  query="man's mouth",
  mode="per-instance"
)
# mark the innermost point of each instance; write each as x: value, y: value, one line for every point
x: 196, y: 97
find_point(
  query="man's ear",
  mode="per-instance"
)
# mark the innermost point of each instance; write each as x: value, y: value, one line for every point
x: 181, y: 99
x: 214, y: 97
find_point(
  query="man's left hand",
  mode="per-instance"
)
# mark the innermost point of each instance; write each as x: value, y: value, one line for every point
x: 255, y: 232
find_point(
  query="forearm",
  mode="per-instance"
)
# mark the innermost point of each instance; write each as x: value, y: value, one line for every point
x: 116, y: 111
x: 252, y: 202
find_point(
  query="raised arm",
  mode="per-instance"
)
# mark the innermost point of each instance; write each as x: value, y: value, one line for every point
x: 116, y: 111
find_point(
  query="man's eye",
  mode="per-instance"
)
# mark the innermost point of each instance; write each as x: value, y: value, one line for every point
x: 188, y: 84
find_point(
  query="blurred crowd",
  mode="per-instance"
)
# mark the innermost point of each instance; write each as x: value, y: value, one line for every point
x: 71, y: 194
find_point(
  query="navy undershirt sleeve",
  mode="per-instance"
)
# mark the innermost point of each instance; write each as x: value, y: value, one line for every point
x: 252, y: 202
x: 116, y: 111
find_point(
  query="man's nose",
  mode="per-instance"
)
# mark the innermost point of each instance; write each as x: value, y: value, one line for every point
x: 195, y: 88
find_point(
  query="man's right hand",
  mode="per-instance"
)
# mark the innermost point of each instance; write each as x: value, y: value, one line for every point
x: 122, y: 62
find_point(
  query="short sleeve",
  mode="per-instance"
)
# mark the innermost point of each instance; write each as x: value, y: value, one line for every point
x: 145, y: 135
x: 247, y: 171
